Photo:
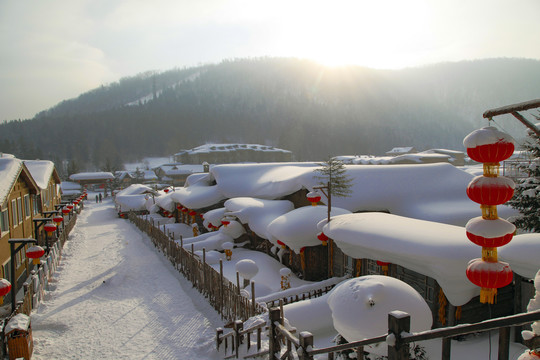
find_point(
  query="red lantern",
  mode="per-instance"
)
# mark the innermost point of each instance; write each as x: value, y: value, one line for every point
x: 313, y: 197
x: 225, y: 222
x: 489, y: 233
x: 489, y: 276
x: 76, y: 202
x: 302, y: 250
x: 58, y: 219
x: 34, y: 253
x: 282, y: 244
x: 70, y: 206
x: 166, y: 190
x: 179, y: 207
x: 489, y: 145
x: 166, y: 213
x: 321, y: 236
x: 490, y: 190
x: 5, y: 288
x: 192, y: 213
x: 185, y: 210
x: 65, y: 210
x: 49, y: 228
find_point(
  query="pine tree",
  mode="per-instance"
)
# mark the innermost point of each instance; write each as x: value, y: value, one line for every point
x: 527, y: 192
x: 333, y: 172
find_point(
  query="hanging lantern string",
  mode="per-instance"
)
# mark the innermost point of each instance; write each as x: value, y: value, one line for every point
x: 502, y: 128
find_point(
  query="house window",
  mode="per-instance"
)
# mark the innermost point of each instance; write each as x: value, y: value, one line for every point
x: 27, y: 205
x: 4, y: 221
x: 20, y: 209
x: 15, y: 221
x: 36, y: 204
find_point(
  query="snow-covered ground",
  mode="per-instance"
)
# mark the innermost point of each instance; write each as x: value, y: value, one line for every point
x: 115, y: 297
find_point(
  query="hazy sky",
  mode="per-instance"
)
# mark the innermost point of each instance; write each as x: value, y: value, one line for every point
x: 52, y: 50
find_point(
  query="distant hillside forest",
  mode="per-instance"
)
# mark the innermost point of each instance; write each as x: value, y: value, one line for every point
x: 293, y: 104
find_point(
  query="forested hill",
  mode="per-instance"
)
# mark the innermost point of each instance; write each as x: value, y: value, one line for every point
x: 292, y: 104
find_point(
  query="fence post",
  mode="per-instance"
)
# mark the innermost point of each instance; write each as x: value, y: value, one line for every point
x: 398, y: 322
x: 273, y: 342
x: 221, y: 287
x: 253, y: 309
x: 504, y: 343
x: 219, y: 334
x: 306, y: 341
x: 238, y: 326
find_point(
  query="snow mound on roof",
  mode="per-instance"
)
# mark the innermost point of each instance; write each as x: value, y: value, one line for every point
x: 360, y: 308
x: 437, y: 250
x: 197, y: 196
x: 264, y: 181
x: 298, y: 228
x: 257, y: 213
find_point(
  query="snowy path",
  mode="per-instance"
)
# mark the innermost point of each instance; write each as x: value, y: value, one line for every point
x: 115, y: 297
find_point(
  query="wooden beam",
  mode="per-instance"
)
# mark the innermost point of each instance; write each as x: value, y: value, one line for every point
x: 527, y: 123
x: 527, y: 105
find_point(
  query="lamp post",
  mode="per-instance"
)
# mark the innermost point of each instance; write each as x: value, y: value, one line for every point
x: 14, y: 250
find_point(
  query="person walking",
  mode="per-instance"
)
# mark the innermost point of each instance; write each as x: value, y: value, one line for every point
x: 100, y: 197
x: 96, y: 199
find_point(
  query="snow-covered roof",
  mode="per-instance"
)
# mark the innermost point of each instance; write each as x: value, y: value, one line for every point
x: 41, y: 171
x: 181, y: 169
x: 2, y: 155
x: 437, y: 250
x: 10, y: 168
x: 136, y: 189
x: 208, y: 148
x: 150, y: 175
x: 401, y: 150
x: 434, y: 192
x: 99, y: 175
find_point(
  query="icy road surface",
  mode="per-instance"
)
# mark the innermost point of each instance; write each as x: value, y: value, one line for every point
x: 115, y: 297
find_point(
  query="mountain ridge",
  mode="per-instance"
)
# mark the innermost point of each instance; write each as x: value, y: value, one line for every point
x: 293, y: 104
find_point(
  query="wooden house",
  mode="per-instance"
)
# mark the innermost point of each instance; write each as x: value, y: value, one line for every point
x: 18, y: 194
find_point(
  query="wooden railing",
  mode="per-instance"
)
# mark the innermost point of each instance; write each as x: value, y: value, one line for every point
x: 221, y: 293
x: 284, y: 344
x: 310, y: 294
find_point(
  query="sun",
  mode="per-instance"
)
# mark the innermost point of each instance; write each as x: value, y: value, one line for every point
x: 359, y: 32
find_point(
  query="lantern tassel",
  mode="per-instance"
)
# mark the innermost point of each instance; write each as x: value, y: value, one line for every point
x: 442, y: 307
x: 36, y: 261
x: 488, y: 295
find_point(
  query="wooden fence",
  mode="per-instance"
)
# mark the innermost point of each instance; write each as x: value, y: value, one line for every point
x: 284, y: 344
x: 221, y: 293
